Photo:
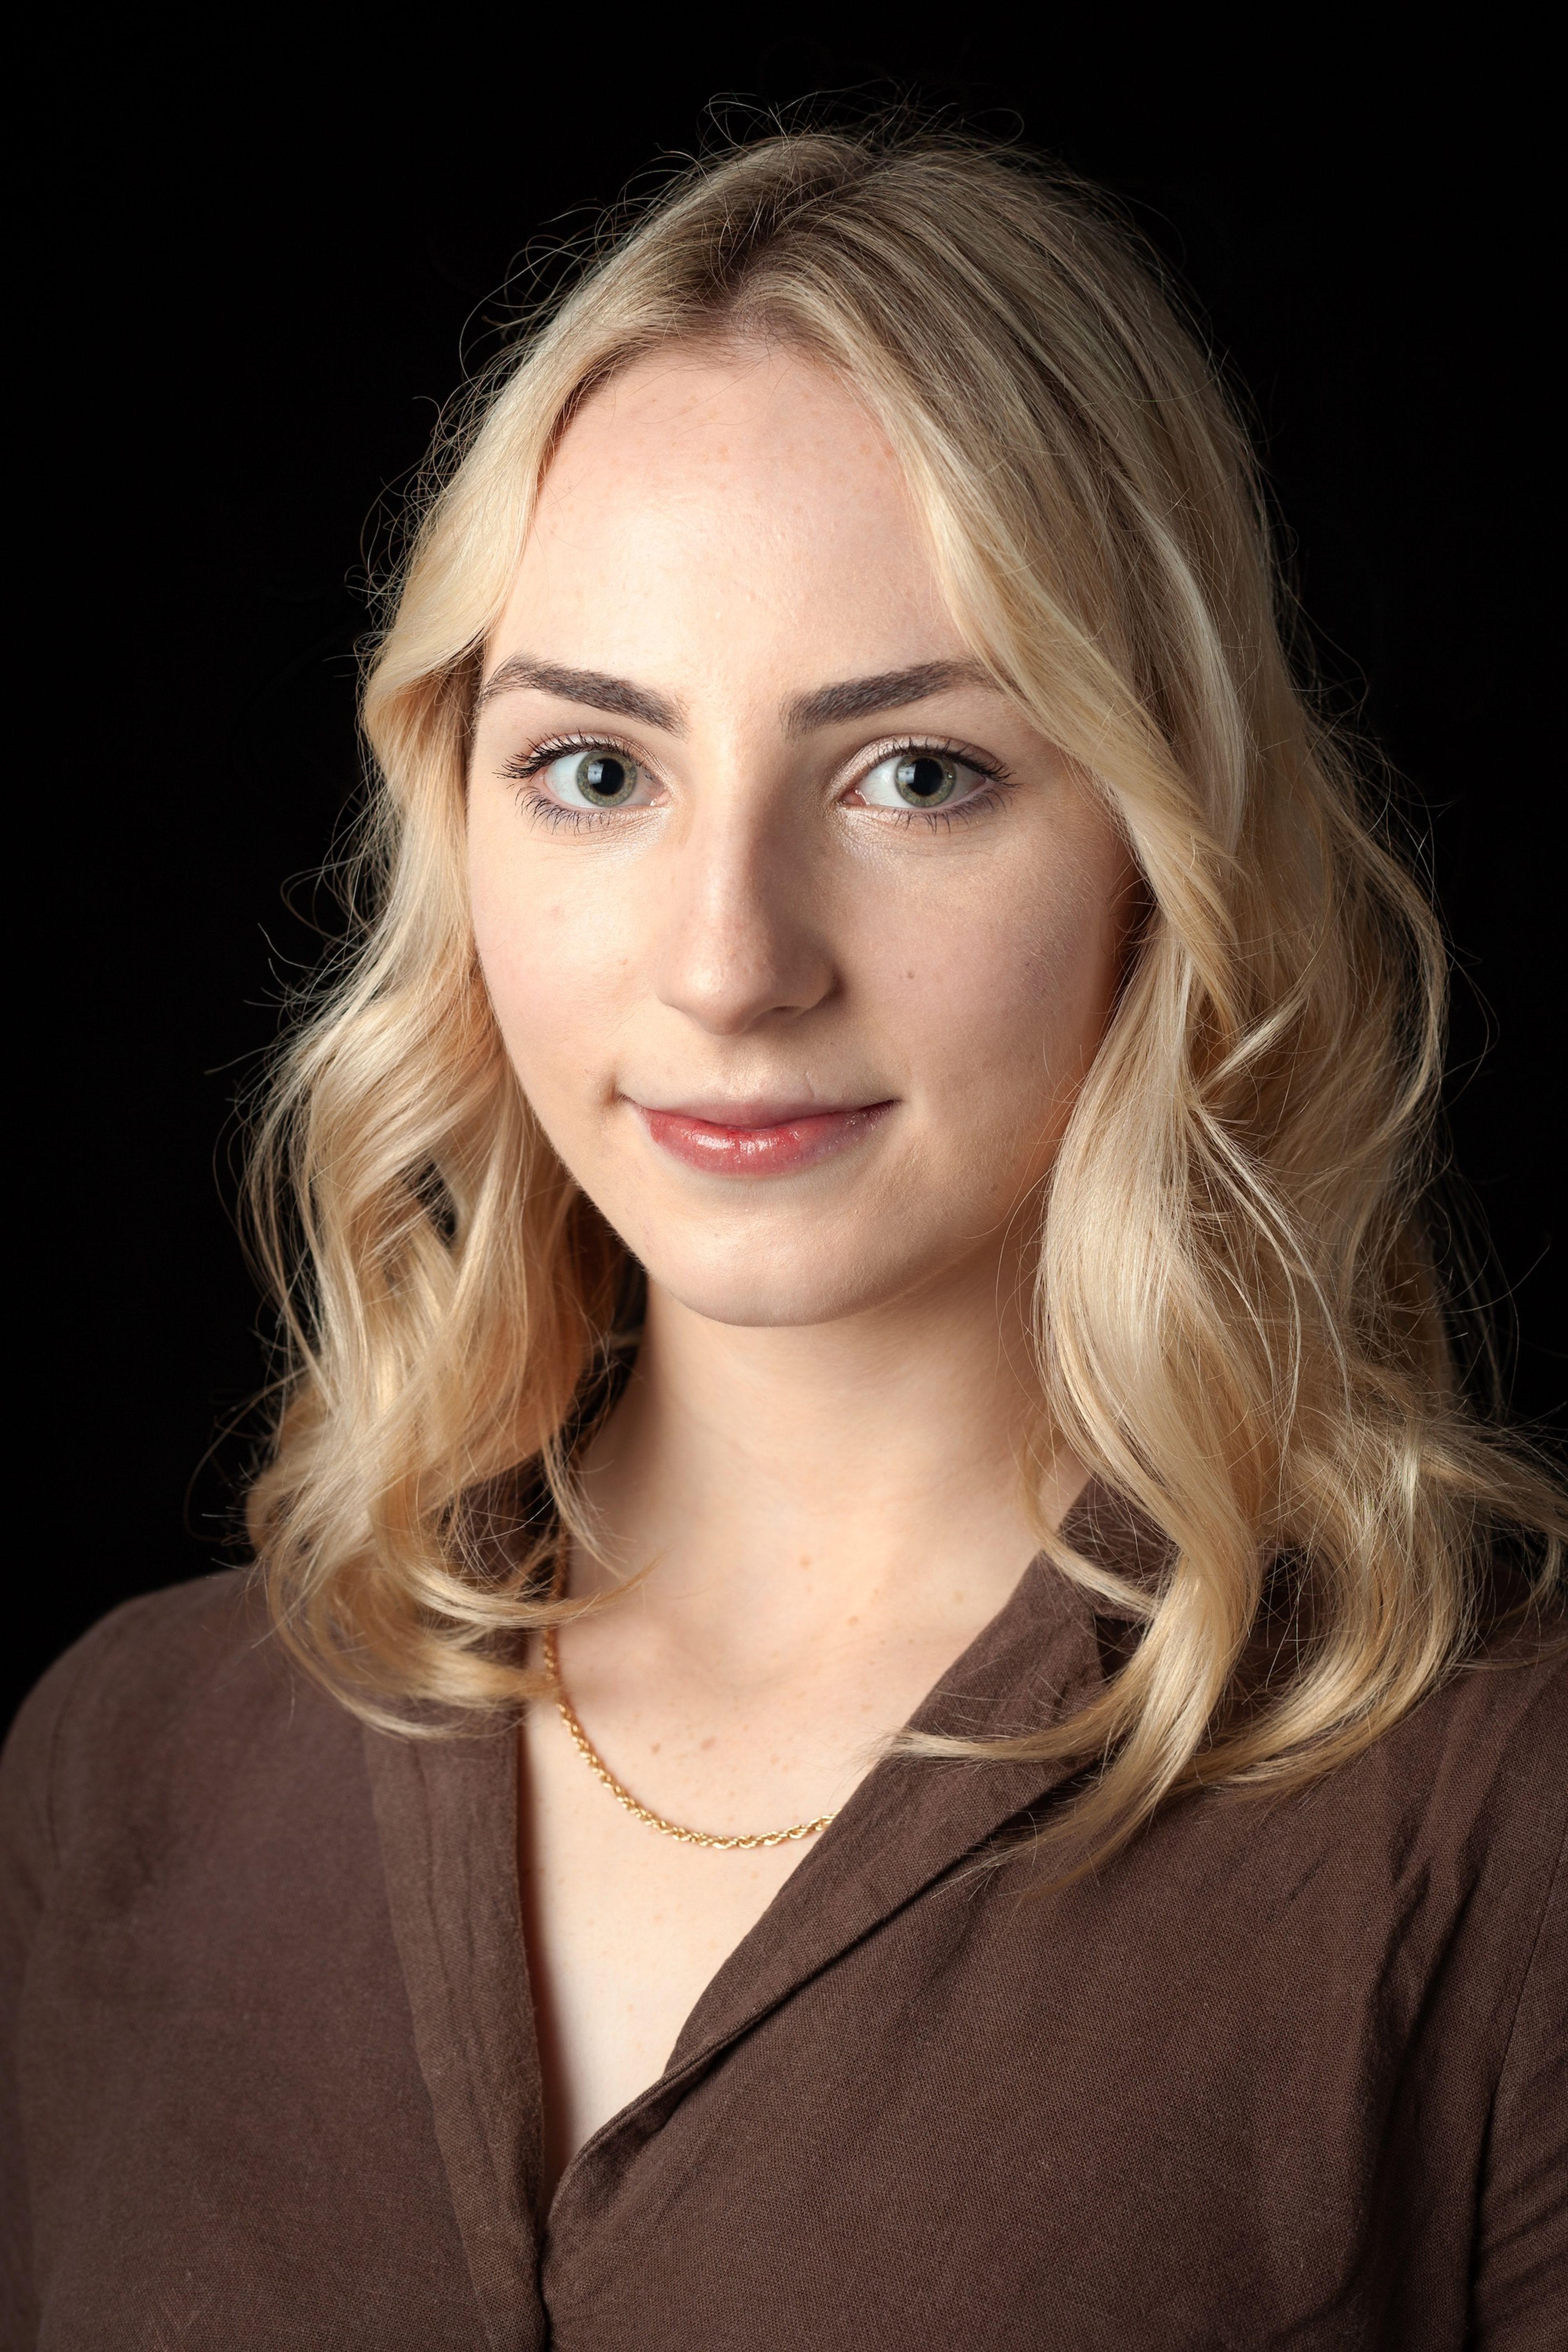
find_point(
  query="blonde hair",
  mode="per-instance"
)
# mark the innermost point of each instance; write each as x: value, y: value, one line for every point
x: 1237, y: 1321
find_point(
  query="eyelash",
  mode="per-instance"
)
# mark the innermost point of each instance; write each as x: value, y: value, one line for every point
x: 522, y: 770
x: 996, y: 779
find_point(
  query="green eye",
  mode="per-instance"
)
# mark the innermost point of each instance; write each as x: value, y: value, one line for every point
x: 596, y: 779
x: 919, y: 780
x: 926, y: 782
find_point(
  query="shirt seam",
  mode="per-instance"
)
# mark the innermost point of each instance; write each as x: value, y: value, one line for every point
x: 99, y: 1645
x: 1535, y: 1943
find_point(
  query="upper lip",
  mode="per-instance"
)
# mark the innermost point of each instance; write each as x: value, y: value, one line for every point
x: 758, y: 1110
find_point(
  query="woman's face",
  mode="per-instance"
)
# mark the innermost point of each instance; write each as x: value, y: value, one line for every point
x: 800, y: 937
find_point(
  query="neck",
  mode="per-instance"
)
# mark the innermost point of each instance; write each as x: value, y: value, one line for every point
x: 778, y: 1482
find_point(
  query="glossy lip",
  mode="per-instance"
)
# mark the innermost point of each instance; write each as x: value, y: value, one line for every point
x: 762, y: 1139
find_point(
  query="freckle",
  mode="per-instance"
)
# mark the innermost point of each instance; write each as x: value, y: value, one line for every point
x: 854, y: 1620
x: 711, y: 1740
x: 806, y: 1559
x: 654, y: 1750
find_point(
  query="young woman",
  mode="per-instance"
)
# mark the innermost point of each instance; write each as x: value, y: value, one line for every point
x: 887, y: 1700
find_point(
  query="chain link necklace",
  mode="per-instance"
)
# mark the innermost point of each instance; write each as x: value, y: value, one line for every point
x: 623, y: 1796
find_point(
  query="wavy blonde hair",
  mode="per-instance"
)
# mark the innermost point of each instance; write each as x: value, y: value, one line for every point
x: 1237, y: 1322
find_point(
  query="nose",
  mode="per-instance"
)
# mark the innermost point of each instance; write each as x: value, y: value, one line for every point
x: 743, y: 939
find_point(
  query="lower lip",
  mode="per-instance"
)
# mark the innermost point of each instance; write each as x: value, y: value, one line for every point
x: 778, y: 1151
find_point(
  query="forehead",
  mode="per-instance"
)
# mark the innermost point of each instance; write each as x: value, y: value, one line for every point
x: 747, y: 490
x: 746, y: 422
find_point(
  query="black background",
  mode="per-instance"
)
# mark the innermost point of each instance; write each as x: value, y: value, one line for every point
x: 256, y: 264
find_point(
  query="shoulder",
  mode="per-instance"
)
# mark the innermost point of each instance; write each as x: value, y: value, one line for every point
x: 1471, y: 1782
x: 169, y: 1694
x: 1489, y: 1771
x: 1430, y: 1859
x: 1413, y: 1877
x: 1489, y: 1740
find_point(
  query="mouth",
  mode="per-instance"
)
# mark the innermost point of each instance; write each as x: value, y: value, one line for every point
x: 758, y: 1139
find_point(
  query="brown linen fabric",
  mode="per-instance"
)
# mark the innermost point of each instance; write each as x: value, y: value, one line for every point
x: 1283, y: 2074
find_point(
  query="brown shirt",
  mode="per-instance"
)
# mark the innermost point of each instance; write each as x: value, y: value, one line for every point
x: 1291, y: 2074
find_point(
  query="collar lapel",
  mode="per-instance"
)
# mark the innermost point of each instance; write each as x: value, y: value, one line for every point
x: 912, y: 1822
x: 446, y: 1815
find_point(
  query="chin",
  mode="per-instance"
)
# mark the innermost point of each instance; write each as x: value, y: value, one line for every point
x: 745, y: 1290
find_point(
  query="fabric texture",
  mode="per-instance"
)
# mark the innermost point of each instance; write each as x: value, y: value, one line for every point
x: 1285, y: 2073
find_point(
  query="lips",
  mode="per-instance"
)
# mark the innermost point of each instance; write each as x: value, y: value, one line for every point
x: 770, y: 1142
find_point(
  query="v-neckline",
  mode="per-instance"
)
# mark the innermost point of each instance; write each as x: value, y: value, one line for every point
x: 446, y: 1812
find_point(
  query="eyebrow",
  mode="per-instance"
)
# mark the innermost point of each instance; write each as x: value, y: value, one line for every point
x: 592, y: 687
x: 890, y: 689
x: 827, y: 706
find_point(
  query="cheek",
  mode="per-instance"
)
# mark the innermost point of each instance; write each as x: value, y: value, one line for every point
x: 554, y: 958
x: 1004, y: 1000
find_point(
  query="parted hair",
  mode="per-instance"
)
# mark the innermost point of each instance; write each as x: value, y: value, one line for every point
x: 1237, y: 1321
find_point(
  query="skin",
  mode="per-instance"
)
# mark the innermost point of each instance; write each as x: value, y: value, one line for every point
x: 819, y: 1460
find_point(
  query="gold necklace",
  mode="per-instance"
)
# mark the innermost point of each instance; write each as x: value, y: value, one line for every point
x: 601, y: 1771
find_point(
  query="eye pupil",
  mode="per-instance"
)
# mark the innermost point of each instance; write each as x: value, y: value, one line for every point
x: 606, y: 778
x: 925, y: 780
